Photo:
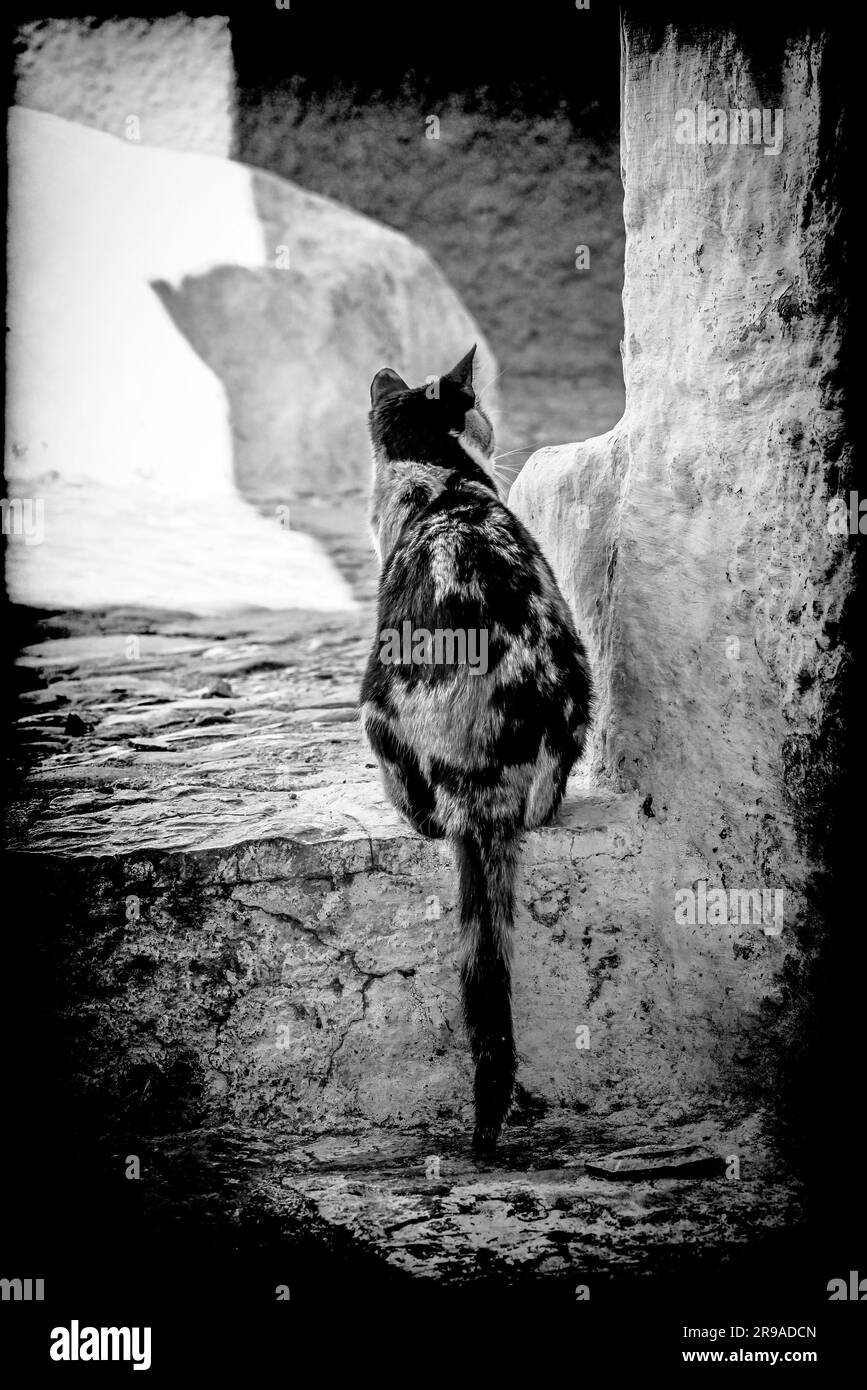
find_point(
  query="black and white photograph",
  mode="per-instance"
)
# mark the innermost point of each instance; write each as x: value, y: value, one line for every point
x: 433, y: 669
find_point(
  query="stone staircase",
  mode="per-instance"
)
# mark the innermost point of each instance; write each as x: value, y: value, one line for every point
x: 258, y: 958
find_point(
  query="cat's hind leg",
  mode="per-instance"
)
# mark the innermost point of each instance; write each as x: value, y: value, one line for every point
x: 559, y: 751
x: 546, y: 788
x: 408, y: 789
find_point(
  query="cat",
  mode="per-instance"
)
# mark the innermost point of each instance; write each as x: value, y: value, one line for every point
x: 475, y: 757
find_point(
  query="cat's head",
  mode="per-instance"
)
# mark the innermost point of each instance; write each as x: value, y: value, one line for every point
x: 422, y: 423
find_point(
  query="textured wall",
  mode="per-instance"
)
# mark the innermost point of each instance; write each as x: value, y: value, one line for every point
x: 693, y: 539
x: 172, y: 76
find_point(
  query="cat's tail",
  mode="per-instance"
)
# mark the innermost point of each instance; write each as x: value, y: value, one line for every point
x: 486, y: 867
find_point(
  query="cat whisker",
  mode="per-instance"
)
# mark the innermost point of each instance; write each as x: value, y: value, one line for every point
x: 524, y: 449
x: 482, y: 389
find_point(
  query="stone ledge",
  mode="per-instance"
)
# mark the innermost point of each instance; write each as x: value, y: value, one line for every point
x: 206, y: 740
x: 248, y: 825
x: 254, y: 935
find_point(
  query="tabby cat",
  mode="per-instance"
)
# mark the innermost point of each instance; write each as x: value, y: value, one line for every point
x: 477, y: 757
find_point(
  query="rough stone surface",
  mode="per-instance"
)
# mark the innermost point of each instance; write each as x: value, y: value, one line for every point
x: 655, y: 1160
x: 293, y: 944
x: 174, y: 76
x: 692, y: 539
x: 417, y: 1205
x: 255, y: 903
x: 247, y: 951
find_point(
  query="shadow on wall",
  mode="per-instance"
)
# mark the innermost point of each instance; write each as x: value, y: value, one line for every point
x: 502, y: 204
x: 500, y: 160
x: 296, y: 342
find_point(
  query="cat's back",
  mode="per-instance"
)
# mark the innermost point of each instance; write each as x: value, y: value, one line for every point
x: 466, y: 566
x: 466, y: 558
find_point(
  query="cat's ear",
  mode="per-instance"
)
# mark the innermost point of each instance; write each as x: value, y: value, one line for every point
x: 462, y: 374
x: 386, y: 383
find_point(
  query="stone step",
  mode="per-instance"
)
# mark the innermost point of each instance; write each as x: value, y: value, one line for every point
x: 250, y: 933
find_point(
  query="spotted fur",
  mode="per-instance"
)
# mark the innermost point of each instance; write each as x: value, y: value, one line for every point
x: 474, y: 758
